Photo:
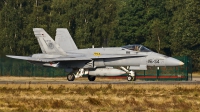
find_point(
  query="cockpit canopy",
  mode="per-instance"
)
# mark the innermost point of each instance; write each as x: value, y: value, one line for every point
x: 136, y: 47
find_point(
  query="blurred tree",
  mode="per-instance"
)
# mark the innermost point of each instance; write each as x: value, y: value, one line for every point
x: 132, y: 22
x: 157, y: 26
x: 185, y: 27
x: 11, y: 22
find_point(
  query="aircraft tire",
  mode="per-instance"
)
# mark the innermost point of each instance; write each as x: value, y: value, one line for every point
x: 129, y: 78
x: 91, y: 78
x: 70, y: 77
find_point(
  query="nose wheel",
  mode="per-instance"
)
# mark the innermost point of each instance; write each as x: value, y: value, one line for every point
x: 131, y: 78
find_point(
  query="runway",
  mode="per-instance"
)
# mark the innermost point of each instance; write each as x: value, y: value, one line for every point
x: 63, y: 80
x: 110, y: 81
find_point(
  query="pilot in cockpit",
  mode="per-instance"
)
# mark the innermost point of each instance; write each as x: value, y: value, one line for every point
x: 136, y: 48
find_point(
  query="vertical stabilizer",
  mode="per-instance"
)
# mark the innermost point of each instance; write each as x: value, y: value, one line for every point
x: 47, y: 44
x: 64, y: 40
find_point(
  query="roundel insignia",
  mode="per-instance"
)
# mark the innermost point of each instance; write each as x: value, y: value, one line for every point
x: 50, y: 45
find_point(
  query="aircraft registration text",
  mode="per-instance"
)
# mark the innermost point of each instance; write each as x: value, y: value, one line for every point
x: 153, y: 61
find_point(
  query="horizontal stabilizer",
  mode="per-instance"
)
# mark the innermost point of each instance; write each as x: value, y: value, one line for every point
x: 19, y: 57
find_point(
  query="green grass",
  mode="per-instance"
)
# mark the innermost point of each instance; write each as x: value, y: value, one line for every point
x: 98, y: 97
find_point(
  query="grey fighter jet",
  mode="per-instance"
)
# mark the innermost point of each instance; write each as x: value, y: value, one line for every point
x: 111, y: 61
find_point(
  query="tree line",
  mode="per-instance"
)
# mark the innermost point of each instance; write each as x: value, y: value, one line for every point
x: 170, y: 27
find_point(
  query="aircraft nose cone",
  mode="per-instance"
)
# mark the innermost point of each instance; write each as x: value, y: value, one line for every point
x: 173, y: 62
x: 181, y: 63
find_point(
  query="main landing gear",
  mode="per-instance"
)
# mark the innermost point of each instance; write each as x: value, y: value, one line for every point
x: 75, y: 74
x: 91, y: 78
x: 70, y: 77
x: 79, y: 73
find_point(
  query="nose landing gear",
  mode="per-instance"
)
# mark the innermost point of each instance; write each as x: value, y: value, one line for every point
x: 132, y: 74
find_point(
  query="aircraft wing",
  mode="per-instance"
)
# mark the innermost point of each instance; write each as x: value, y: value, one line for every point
x: 74, y: 58
x: 28, y: 58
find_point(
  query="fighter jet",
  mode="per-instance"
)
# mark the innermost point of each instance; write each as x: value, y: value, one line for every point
x: 110, y: 61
